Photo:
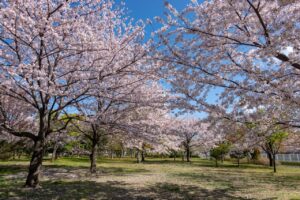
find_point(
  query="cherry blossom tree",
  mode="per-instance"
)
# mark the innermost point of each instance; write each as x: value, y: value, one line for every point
x: 258, y: 128
x: 51, y: 52
x: 246, y: 51
x: 169, y: 143
x: 267, y: 134
x: 58, y: 140
x: 94, y: 133
x: 241, y: 147
x: 122, y: 109
x: 188, y: 131
x: 148, y: 127
x: 185, y: 133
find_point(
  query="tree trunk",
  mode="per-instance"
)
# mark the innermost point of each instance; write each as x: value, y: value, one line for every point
x: 182, y: 158
x: 143, y: 156
x: 274, y: 163
x: 57, y: 154
x: 138, y: 160
x: 270, y: 159
x: 131, y: 153
x: 54, y: 156
x: 188, y: 154
x: 217, y: 165
x: 111, y: 154
x: 238, y: 160
x: 78, y: 153
x: 35, y: 164
x: 93, y: 158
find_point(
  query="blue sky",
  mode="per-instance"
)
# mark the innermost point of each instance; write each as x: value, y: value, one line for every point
x: 148, y: 9
x: 143, y: 9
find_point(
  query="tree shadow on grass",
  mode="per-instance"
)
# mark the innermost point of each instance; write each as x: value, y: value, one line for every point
x: 227, y: 165
x: 241, y: 181
x: 163, y: 161
x: 12, y: 169
x: 175, y: 191
x: 113, y: 190
x: 13, y: 173
x: 208, y: 163
x: 100, y: 160
x: 50, y: 170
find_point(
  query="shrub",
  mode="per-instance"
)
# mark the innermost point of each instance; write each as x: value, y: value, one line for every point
x: 219, y: 152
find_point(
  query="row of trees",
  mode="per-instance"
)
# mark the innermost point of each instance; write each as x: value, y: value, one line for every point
x: 73, y: 64
x: 82, y: 67
x: 238, y: 61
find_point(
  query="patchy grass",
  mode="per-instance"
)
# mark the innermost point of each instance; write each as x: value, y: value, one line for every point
x: 69, y: 178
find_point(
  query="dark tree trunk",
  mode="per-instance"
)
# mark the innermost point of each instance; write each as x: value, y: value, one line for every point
x: 131, y: 153
x: 238, y: 160
x: 35, y: 164
x: 111, y: 154
x: 274, y: 163
x: 93, y: 158
x: 188, y: 154
x: 138, y: 160
x: 54, y: 154
x: 270, y: 159
x: 143, y: 156
x: 217, y: 165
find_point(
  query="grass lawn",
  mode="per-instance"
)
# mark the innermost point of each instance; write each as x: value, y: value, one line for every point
x: 69, y: 178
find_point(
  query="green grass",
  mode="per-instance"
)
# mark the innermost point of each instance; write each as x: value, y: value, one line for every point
x: 69, y: 178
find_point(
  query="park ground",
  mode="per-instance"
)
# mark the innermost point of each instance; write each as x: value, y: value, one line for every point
x: 69, y: 178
